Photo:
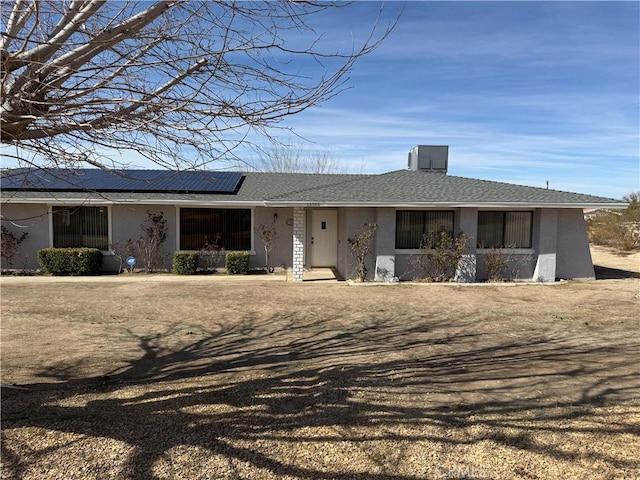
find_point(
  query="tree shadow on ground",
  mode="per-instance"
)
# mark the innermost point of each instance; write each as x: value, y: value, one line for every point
x: 234, y: 390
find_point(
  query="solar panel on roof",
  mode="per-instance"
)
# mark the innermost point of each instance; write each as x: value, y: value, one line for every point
x: 121, y: 181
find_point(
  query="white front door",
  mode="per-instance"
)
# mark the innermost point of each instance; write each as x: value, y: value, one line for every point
x: 324, y: 238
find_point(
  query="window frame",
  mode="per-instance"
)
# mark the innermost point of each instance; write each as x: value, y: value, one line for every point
x: 52, y: 232
x: 208, y: 207
x: 502, y: 246
x: 417, y: 249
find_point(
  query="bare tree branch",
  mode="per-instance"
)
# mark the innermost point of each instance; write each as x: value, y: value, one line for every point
x: 181, y: 83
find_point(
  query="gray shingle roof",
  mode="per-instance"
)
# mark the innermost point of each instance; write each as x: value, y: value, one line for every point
x: 407, y: 187
x: 402, y: 187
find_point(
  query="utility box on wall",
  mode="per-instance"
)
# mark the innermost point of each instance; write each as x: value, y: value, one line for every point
x: 429, y: 158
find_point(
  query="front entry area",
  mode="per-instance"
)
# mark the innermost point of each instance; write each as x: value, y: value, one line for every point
x: 324, y: 238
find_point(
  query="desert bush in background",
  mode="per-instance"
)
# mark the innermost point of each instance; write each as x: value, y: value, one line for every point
x: 619, y: 229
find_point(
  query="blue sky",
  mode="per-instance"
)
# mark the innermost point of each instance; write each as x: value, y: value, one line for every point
x: 522, y: 92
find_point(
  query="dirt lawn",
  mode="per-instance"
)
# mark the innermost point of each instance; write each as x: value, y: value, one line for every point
x: 202, y: 378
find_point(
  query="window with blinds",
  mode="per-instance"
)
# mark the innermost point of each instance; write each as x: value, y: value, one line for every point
x: 415, y: 228
x: 228, y: 228
x: 497, y: 229
x: 80, y: 227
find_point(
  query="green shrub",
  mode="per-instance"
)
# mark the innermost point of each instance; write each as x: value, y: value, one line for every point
x: 237, y: 263
x: 185, y: 263
x: 70, y: 261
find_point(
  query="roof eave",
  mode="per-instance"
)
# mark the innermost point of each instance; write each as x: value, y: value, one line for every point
x: 136, y: 201
x: 581, y: 205
x: 93, y: 200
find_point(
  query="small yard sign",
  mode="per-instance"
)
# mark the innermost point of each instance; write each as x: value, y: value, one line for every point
x: 131, y: 261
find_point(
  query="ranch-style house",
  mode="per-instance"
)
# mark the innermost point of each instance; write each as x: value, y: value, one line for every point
x: 542, y: 231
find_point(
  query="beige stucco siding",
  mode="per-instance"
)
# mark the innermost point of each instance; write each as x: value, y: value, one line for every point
x: 560, y: 247
x: 33, y: 219
x: 573, y: 253
x: 282, y: 253
x: 351, y: 221
x: 125, y: 224
x: 520, y: 265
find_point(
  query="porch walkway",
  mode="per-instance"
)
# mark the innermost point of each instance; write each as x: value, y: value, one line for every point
x: 325, y: 275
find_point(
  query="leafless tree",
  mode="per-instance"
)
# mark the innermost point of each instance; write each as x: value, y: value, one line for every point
x: 180, y: 82
x: 10, y: 245
x: 268, y: 235
x: 361, y: 245
x: 284, y: 158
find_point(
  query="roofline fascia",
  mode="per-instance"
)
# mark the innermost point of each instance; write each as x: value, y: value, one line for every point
x: 106, y: 201
x: 290, y: 204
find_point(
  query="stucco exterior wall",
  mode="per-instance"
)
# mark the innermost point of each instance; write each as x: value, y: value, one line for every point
x: 573, y: 254
x: 126, y: 220
x: 521, y: 262
x: 560, y: 247
x: 351, y: 221
x: 545, y: 238
x: 465, y: 221
x: 282, y: 253
x: 126, y: 223
x: 520, y: 265
x: 404, y: 270
x: 28, y: 218
x: 384, y: 253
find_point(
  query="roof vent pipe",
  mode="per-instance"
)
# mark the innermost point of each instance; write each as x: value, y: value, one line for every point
x: 429, y: 158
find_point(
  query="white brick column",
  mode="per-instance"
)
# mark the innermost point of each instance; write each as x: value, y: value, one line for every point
x: 298, y: 243
x: 467, y: 223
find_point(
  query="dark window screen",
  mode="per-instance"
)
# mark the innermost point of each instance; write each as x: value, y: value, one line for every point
x: 229, y: 228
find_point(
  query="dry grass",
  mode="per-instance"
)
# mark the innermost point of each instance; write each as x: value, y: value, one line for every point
x: 261, y: 380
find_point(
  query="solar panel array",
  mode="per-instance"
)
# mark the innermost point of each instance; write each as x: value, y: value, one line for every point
x: 96, y: 180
